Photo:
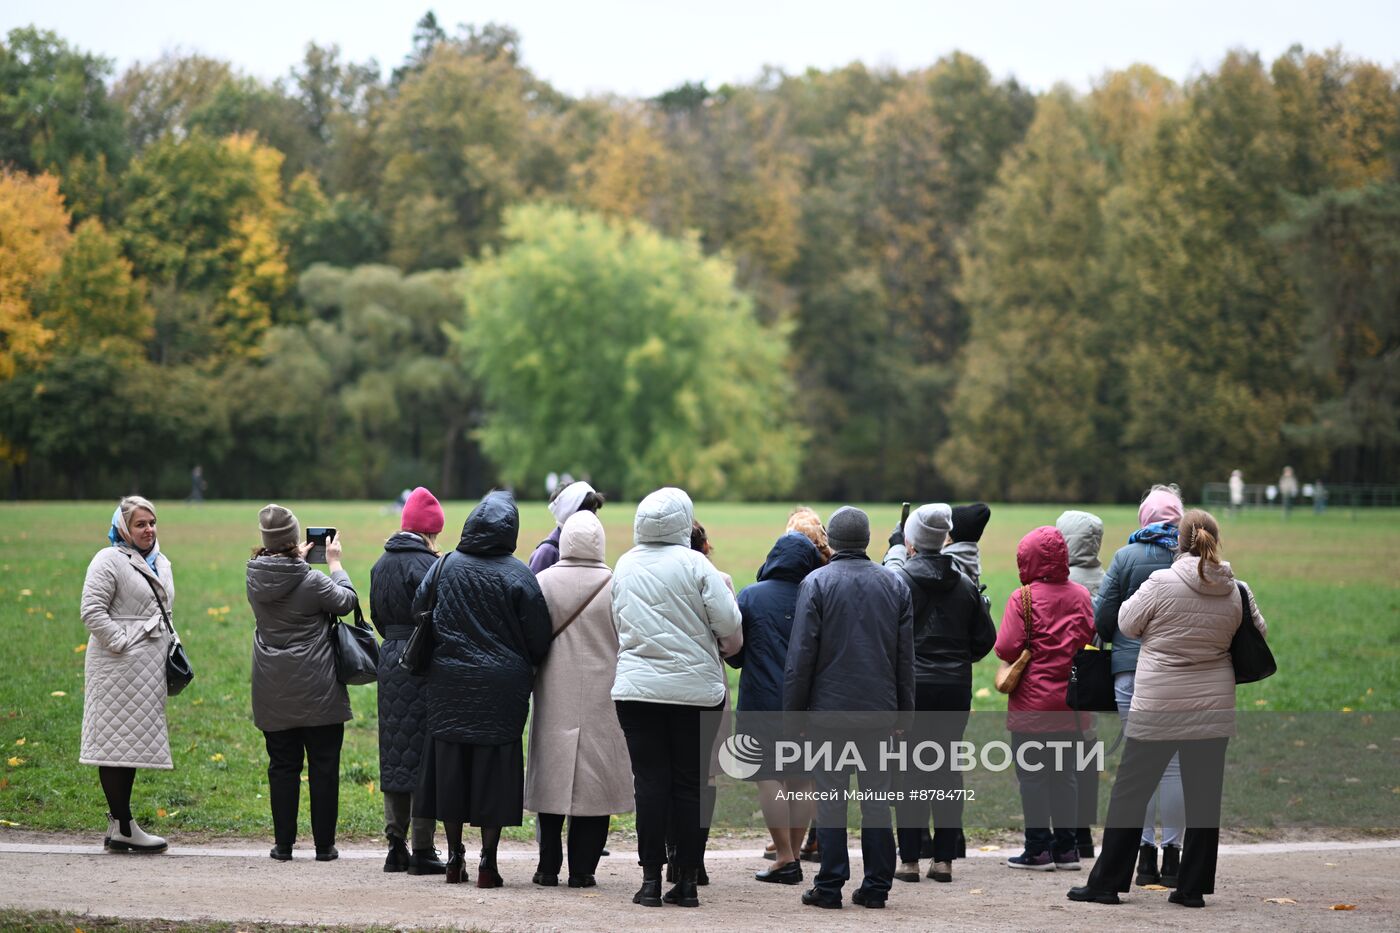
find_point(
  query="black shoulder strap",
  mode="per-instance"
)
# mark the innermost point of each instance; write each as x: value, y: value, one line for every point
x: 164, y: 616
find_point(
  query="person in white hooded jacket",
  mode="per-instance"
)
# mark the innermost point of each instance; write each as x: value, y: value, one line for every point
x: 671, y: 607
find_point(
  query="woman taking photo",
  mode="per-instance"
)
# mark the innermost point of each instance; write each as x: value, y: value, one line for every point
x: 1052, y: 618
x: 127, y: 597
x: 298, y: 703
x: 1183, y: 705
x: 491, y: 628
x: 393, y: 582
x: 670, y: 607
x: 578, y: 758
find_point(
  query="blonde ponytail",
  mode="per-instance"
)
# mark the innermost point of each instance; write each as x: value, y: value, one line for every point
x: 1199, y: 535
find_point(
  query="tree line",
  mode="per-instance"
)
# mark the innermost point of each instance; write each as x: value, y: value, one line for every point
x: 855, y: 284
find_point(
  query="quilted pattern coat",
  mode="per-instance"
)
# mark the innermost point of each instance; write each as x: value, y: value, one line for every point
x: 578, y: 757
x: 1185, y: 685
x: 294, y: 682
x: 670, y: 607
x: 124, y: 666
x: 403, y: 709
x: 491, y: 627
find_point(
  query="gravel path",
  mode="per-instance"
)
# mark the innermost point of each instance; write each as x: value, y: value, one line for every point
x: 234, y: 881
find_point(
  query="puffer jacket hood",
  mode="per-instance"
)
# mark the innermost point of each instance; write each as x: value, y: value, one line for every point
x: 272, y: 578
x: 664, y: 517
x: 1043, y: 555
x: 493, y: 527
x: 406, y: 541
x: 791, y: 558
x: 583, y: 540
x: 1219, y: 578
x: 1083, y: 534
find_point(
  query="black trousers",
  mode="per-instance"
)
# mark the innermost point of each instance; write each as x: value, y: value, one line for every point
x: 669, y: 745
x: 1202, y: 783
x: 943, y: 712
x: 285, y: 750
x: 876, y: 836
x: 587, y: 835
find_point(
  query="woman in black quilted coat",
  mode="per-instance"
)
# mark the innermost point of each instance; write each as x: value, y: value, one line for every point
x: 491, y: 629
x: 393, y: 582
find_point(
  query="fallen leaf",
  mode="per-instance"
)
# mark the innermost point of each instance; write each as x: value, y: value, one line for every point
x: 160, y: 811
x: 975, y: 891
x: 370, y: 787
x: 77, y: 930
x: 1279, y: 900
x: 1299, y: 743
x: 14, y: 762
x: 8, y: 823
x: 79, y: 649
x: 1373, y: 747
x: 58, y: 693
x: 217, y: 756
x: 26, y: 592
x: 1346, y: 709
x: 1329, y: 864
x: 1155, y: 887
x: 988, y: 848
x: 305, y: 779
x: 982, y: 693
x: 1353, y: 780
x: 1342, y: 907
x: 593, y: 894
x: 21, y: 740
x: 1261, y: 702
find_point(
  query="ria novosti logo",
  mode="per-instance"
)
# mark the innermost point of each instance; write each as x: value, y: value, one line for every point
x: 740, y: 756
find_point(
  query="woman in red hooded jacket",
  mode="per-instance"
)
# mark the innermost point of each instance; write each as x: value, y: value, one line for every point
x: 1061, y: 622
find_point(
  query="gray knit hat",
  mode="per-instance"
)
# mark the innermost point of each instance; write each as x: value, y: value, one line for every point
x: 848, y: 529
x: 927, y: 528
x: 280, y: 529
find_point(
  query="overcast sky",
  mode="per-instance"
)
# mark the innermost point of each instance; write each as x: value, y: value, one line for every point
x: 639, y: 48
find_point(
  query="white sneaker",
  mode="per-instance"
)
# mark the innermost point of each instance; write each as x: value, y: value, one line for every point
x: 138, y: 840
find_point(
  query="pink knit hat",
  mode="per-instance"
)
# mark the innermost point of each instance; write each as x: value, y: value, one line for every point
x: 422, y: 513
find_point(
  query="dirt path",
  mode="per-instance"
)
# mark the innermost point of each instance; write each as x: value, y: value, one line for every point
x: 237, y: 881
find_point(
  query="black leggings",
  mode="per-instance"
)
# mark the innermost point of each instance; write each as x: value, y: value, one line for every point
x: 587, y: 834
x: 116, y: 787
x: 285, y: 750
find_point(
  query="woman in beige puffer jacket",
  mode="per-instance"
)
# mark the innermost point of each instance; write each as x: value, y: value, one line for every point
x: 1183, y: 703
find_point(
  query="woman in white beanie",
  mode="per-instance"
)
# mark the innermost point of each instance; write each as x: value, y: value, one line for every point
x: 128, y: 594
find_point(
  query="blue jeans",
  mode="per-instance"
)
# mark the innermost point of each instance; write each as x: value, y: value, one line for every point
x: 1168, y: 797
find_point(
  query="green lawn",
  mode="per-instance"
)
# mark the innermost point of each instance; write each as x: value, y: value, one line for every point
x: 1329, y: 587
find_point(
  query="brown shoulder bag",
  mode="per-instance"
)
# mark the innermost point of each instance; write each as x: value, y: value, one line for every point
x: 1009, y: 675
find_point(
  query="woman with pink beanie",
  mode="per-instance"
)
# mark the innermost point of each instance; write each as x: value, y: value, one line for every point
x: 408, y: 556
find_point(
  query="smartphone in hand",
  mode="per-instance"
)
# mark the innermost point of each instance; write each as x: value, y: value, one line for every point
x: 318, y: 537
x: 903, y: 514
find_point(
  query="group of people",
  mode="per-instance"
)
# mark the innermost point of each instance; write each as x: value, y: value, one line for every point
x: 621, y: 674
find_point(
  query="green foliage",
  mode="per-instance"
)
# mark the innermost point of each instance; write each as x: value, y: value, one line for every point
x: 604, y: 348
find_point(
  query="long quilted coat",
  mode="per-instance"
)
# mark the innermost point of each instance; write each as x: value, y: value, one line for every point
x: 294, y: 682
x: 578, y: 761
x: 124, y: 703
x: 403, y: 704
x: 1185, y: 685
x: 491, y: 628
x: 670, y: 607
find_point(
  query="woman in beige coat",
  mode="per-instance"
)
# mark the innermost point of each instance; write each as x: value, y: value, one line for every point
x: 127, y: 595
x: 578, y: 765
x: 1183, y: 703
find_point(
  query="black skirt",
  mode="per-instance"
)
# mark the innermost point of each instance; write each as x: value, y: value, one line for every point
x: 479, y: 784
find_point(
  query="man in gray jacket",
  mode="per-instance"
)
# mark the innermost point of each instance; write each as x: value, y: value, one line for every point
x: 852, y: 652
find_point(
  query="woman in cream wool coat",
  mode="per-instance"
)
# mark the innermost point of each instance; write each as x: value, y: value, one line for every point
x: 578, y: 763
x: 124, y: 726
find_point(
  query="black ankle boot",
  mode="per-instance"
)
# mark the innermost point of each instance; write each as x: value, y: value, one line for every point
x: 1171, y: 865
x: 1147, y: 865
x: 426, y: 862
x: 398, y: 858
x: 649, y: 894
x: 456, y: 865
x: 684, y: 893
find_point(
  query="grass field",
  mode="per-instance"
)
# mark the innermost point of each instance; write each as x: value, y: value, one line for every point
x: 1329, y: 586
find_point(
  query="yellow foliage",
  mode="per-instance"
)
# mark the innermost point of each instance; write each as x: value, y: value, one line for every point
x: 33, y: 237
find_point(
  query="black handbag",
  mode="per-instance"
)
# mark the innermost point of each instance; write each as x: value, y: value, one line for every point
x: 1249, y: 652
x: 356, y: 651
x: 417, y: 654
x: 178, y: 672
x: 1090, y: 686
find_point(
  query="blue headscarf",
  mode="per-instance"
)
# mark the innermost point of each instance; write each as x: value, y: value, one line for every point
x: 117, y: 535
x: 1160, y: 534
